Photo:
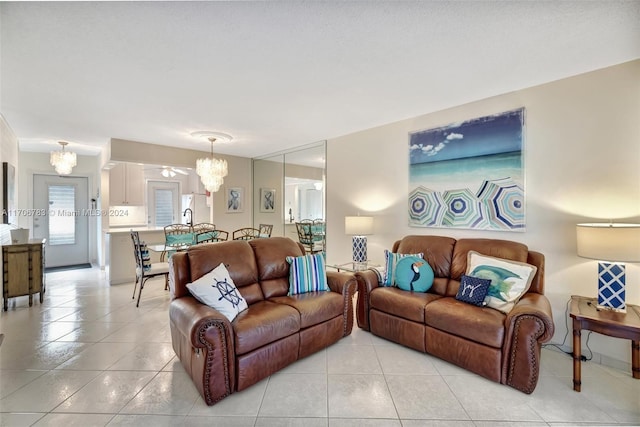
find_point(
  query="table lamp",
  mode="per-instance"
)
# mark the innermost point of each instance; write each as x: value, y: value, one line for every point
x: 612, y: 242
x: 359, y: 227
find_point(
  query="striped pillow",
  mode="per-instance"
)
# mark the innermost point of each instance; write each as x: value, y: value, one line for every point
x: 307, y: 274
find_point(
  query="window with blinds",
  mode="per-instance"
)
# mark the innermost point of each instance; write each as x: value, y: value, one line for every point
x: 164, y: 207
x: 62, y: 215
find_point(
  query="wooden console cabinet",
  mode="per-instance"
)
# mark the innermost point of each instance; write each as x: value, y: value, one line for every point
x: 23, y: 270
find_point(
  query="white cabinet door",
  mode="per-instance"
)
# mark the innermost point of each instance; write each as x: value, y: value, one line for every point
x: 126, y: 185
x: 135, y: 184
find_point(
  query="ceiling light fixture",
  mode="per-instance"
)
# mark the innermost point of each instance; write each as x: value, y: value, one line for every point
x: 168, y: 173
x: 63, y: 161
x: 212, y: 170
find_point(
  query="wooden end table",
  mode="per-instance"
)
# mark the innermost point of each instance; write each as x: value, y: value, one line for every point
x: 586, y: 315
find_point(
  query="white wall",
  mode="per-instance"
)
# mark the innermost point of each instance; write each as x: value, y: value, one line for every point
x: 582, y: 162
x: 8, y: 153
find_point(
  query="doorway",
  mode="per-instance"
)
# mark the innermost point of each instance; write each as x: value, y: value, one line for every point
x: 164, y: 203
x: 61, y: 212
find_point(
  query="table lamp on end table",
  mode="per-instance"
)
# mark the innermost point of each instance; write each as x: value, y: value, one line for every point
x: 612, y: 242
x: 359, y: 227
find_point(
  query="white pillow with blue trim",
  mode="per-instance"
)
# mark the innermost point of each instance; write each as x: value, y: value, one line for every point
x: 217, y: 290
x: 307, y: 273
x: 509, y: 279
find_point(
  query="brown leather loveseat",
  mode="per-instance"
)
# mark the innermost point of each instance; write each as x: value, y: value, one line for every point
x: 276, y: 330
x: 501, y: 347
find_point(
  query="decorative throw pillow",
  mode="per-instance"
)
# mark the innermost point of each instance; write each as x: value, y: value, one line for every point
x: 217, y: 290
x: 146, y: 258
x: 391, y: 259
x: 509, y: 279
x: 413, y: 274
x: 179, y: 239
x: 473, y: 290
x: 307, y: 273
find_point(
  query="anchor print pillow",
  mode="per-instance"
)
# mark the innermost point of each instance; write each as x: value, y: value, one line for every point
x: 509, y: 279
x: 473, y: 290
x: 217, y: 290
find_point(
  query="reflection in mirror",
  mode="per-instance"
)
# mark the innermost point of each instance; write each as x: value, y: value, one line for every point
x: 268, y: 178
x: 298, y: 178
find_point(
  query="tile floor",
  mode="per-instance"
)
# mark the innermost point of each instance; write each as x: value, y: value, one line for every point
x: 88, y: 357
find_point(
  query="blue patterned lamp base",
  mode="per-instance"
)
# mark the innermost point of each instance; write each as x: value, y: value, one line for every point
x: 359, y: 248
x: 611, y: 282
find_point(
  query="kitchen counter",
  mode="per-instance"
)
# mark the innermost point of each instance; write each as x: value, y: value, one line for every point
x: 140, y: 228
x: 120, y: 264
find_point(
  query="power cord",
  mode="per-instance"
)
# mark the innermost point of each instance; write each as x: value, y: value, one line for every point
x: 564, y: 340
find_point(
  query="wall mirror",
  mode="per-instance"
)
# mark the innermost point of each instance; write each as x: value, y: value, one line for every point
x: 289, y: 187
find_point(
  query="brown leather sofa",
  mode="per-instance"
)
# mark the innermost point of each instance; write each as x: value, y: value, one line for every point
x: 276, y: 330
x: 501, y: 347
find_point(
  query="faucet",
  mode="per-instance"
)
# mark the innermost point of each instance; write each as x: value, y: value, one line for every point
x: 190, y: 221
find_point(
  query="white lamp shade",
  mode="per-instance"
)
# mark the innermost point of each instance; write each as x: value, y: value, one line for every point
x: 358, y: 225
x: 609, y: 242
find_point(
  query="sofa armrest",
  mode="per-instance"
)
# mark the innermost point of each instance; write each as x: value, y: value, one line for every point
x: 367, y: 281
x: 537, y: 305
x: 190, y: 316
x: 527, y: 326
x: 345, y: 284
x: 338, y: 281
x: 203, y: 340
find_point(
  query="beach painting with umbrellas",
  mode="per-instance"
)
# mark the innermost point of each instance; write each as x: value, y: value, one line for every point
x: 469, y: 174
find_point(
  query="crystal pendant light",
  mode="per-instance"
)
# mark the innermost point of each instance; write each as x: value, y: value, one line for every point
x: 63, y: 161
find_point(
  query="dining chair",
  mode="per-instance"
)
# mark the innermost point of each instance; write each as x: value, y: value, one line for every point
x: 265, y: 230
x: 246, y: 233
x: 145, y: 269
x: 177, y: 236
x: 212, y: 236
x: 203, y: 232
x: 309, y: 240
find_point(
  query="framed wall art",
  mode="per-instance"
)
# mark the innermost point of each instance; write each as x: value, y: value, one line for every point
x: 234, y: 199
x: 267, y: 200
x: 469, y: 174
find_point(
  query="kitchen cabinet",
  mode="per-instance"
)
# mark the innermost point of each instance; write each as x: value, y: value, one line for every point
x: 23, y: 270
x: 126, y: 185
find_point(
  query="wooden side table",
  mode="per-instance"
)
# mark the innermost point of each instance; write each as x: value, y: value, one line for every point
x: 23, y: 270
x: 586, y: 315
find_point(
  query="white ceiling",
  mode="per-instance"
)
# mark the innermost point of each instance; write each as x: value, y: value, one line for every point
x: 281, y: 74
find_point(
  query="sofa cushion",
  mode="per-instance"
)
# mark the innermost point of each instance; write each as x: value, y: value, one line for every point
x: 479, y: 324
x: 217, y: 290
x: 473, y: 290
x: 307, y: 273
x: 391, y: 261
x: 314, y: 307
x: 273, y: 269
x: 509, y: 279
x: 237, y: 256
x: 413, y: 274
x: 262, y: 323
x: 408, y: 305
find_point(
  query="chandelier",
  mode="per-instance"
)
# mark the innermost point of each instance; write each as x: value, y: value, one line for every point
x: 63, y: 161
x: 212, y: 170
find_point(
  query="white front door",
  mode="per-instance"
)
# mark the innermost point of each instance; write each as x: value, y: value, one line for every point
x: 63, y: 210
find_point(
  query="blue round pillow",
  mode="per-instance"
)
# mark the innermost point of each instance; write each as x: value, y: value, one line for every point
x: 414, y: 274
